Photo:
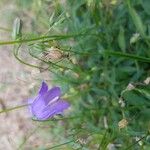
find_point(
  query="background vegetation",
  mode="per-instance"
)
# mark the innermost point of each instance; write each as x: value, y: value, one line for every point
x: 98, y: 52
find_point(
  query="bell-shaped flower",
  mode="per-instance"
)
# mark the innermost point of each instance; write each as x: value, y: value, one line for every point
x: 47, y: 103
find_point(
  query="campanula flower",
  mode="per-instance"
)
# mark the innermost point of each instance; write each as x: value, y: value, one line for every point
x: 47, y: 103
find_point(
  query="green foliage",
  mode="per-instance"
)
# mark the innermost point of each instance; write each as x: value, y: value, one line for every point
x: 99, y: 56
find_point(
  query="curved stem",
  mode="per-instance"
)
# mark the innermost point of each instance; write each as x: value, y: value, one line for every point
x: 16, y: 53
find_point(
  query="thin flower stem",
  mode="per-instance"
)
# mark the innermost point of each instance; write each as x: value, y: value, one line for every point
x: 13, y: 108
x: 52, y: 119
x: 130, y: 146
x: 59, y: 145
x: 16, y: 53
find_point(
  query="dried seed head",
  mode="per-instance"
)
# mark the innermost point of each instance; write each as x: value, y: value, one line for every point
x: 122, y: 102
x: 135, y: 37
x: 147, y: 81
x: 82, y: 141
x: 123, y: 123
x: 52, y: 54
x: 130, y: 87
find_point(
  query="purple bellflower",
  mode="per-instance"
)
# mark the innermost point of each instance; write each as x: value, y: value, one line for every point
x: 47, y: 103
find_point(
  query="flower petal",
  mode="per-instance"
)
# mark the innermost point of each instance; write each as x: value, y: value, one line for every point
x: 51, y: 110
x: 41, y: 101
x: 52, y: 94
x: 44, y: 88
x: 37, y: 106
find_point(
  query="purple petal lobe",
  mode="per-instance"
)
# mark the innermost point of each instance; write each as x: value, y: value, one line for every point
x: 44, y: 88
x: 37, y: 106
x: 52, y: 94
x: 53, y: 109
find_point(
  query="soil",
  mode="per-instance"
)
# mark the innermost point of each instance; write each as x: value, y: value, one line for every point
x: 17, y: 83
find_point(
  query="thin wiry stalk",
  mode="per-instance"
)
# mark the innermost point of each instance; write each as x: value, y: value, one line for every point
x: 13, y: 108
x: 56, y: 146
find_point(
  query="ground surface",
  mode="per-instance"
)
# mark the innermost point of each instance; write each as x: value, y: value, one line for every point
x: 17, y: 83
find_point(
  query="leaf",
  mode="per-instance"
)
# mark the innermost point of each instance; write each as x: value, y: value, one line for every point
x: 137, y: 20
x: 133, y: 98
x: 121, y: 39
x: 139, y: 96
x: 17, y: 27
x: 146, y: 6
x: 145, y: 114
x: 127, y: 56
x: 144, y: 90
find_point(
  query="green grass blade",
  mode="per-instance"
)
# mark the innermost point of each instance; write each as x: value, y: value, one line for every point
x: 43, y: 38
x: 59, y: 145
x: 136, y: 19
x: 128, y: 56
